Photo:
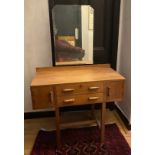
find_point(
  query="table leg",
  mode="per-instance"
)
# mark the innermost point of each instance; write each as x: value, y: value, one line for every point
x: 57, y: 118
x: 103, y: 114
x: 93, y: 110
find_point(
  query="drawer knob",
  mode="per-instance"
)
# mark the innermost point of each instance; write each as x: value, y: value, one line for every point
x: 108, y: 91
x: 69, y: 100
x: 68, y: 90
x: 93, y: 98
x: 93, y: 88
x: 51, y: 95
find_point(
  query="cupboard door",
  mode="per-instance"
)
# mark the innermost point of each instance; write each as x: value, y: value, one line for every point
x: 114, y: 90
x: 42, y: 97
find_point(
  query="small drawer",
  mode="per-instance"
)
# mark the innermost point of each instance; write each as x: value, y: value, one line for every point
x: 80, y: 99
x: 71, y: 89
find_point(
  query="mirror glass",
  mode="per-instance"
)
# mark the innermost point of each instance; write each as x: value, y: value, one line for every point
x: 73, y: 34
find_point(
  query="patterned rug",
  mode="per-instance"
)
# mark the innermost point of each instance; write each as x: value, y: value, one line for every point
x: 82, y: 141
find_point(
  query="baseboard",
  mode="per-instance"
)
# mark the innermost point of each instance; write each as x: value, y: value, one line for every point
x: 123, y: 118
x: 111, y: 106
x: 41, y: 114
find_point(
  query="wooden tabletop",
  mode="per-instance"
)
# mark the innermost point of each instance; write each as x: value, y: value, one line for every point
x: 74, y: 74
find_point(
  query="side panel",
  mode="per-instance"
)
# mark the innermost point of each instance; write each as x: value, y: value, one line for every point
x: 42, y: 97
x: 114, y: 90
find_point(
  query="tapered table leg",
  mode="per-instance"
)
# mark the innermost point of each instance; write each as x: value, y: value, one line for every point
x: 103, y: 114
x: 57, y: 118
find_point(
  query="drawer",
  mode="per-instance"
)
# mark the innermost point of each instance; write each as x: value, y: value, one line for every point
x: 80, y: 99
x: 79, y: 88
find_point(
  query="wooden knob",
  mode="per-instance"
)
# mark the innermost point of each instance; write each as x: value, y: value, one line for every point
x: 108, y: 91
x: 68, y: 90
x: 69, y: 100
x: 93, y: 98
x: 51, y: 95
x: 93, y: 88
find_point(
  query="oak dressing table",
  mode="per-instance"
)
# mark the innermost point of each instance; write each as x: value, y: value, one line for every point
x: 76, y: 85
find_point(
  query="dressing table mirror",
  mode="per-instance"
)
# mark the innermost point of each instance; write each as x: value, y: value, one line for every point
x: 74, y: 80
x: 72, y: 27
x: 87, y: 29
x: 73, y: 34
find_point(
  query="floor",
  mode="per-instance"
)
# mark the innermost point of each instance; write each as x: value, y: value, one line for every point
x: 32, y: 126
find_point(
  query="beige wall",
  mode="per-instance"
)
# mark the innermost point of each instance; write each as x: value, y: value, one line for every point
x: 37, y: 46
x: 124, y: 55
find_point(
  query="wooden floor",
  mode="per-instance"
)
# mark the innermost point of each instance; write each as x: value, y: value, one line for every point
x: 32, y: 126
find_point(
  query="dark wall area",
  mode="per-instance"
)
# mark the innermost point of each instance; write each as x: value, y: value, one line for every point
x: 66, y: 19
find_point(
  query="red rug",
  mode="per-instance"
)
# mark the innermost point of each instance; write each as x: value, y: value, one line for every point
x: 83, y: 141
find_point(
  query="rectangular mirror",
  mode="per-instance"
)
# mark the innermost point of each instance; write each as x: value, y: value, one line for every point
x: 73, y: 27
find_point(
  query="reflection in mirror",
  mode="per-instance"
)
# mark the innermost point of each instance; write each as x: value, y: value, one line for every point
x: 73, y: 34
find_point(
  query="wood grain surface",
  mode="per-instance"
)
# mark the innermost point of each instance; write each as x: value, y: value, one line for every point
x: 74, y: 74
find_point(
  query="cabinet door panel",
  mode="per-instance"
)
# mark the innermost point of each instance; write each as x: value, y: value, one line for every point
x: 42, y: 97
x: 114, y: 90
